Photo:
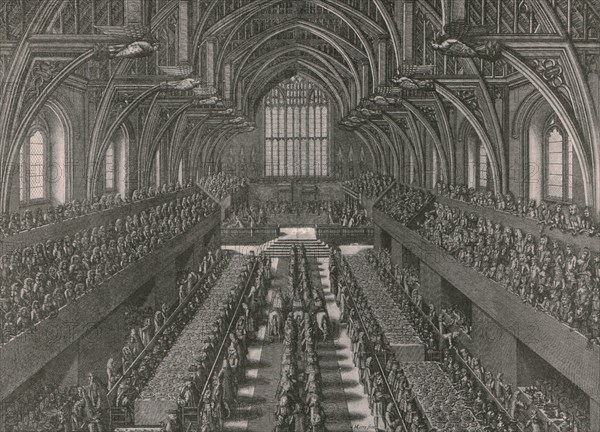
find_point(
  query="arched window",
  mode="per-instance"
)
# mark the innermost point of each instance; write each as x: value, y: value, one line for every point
x: 180, y: 172
x: 558, y: 160
x: 483, y: 167
x: 157, y: 168
x: 435, y: 167
x: 109, y: 168
x: 296, y: 130
x: 411, y: 168
x: 33, y: 167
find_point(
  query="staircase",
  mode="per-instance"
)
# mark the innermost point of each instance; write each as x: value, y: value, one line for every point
x: 281, y: 247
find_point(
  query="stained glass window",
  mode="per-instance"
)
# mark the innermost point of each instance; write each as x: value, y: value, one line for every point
x: 296, y: 130
x: 559, y: 164
x: 36, y: 166
x: 109, y: 167
x: 483, y: 167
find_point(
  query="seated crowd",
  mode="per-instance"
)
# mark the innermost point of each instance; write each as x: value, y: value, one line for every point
x: 370, y: 184
x: 221, y: 392
x: 73, y: 408
x: 15, y: 223
x: 557, y: 281
x: 372, y: 353
x: 131, y: 376
x: 221, y: 185
x: 486, y: 390
x: 403, y: 203
x: 257, y: 213
x: 574, y: 220
x: 36, y: 282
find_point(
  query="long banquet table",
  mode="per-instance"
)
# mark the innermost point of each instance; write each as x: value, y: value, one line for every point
x: 162, y: 391
x: 395, y: 324
x: 442, y: 406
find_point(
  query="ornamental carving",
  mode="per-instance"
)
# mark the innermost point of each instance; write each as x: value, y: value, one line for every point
x: 470, y: 99
x: 403, y: 123
x: 590, y: 63
x: 550, y: 70
x: 40, y: 75
x: 429, y: 113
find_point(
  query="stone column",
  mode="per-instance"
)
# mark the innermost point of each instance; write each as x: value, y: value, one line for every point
x: 210, y: 62
x: 382, y: 43
x: 377, y: 233
x: 227, y: 82
x: 364, y: 72
x: 431, y: 286
x: 397, y: 254
x: 183, y: 27
x: 404, y: 14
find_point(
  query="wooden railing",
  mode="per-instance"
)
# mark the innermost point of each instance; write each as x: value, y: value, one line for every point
x: 249, y: 236
x: 380, y: 363
x: 526, y: 224
x: 172, y: 317
x: 568, y: 351
x: 403, y: 289
x: 32, y: 350
x: 188, y: 414
x: 338, y: 235
x: 66, y: 227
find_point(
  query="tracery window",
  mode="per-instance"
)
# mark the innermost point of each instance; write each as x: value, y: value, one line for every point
x: 109, y: 167
x: 411, y: 168
x: 558, y: 161
x: 156, y: 167
x: 297, y: 130
x: 483, y: 167
x: 32, y: 161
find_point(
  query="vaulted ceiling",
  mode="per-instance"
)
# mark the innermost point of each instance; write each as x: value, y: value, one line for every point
x: 352, y: 48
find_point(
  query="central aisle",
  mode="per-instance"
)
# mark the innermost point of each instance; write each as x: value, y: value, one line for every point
x: 256, y: 396
x: 346, y: 406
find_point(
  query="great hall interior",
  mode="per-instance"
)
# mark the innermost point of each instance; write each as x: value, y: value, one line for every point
x: 300, y: 215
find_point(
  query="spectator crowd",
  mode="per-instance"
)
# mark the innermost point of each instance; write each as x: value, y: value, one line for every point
x: 15, y: 223
x: 492, y: 398
x: 264, y: 213
x: 221, y: 185
x: 403, y: 203
x: 370, y: 184
x: 566, y: 218
x: 51, y: 408
x: 37, y: 282
x: 558, y: 281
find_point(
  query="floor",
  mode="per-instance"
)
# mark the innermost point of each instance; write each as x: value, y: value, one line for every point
x: 345, y: 405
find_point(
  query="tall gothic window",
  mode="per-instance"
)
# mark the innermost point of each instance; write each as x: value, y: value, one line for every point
x: 558, y: 173
x: 109, y: 167
x: 411, y: 168
x: 156, y: 168
x: 32, y: 163
x: 483, y: 167
x: 296, y: 130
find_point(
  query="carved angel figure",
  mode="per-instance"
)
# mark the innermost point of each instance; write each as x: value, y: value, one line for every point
x: 407, y: 77
x: 136, y: 41
x: 463, y: 40
x: 187, y: 81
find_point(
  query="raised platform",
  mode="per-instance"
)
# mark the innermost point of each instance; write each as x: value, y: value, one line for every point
x: 282, y: 246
